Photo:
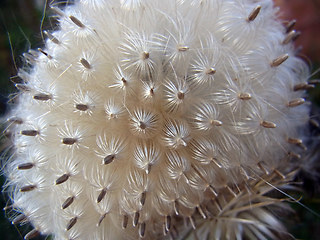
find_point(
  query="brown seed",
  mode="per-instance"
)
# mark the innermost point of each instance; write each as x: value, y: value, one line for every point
x: 32, y: 234
x: 276, y: 171
x: 192, y: 222
x: 267, y: 124
x: 62, y: 179
x: 294, y: 141
x: 142, y: 125
x: 180, y: 95
x: 77, y: 22
x: 252, y: 16
x: 176, y: 207
x: 296, y: 102
x: 28, y: 188
x: 45, y: 53
x: 102, y: 194
x: 279, y: 60
x: 30, y: 133
x: 67, y: 202
x: 15, y: 120
x: 290, y: 26
x: 211, y: 71
x: 200, y: 210
x: 142, y: 229
x: 102, y: 217
x: 303, y: 86
x: 71, y: 223
x: 51, y: 37
x: 145, y: 55
x: 167, y: 223
x: 20, y: 218
x: 23, y: 87
x: 42, y: 97
x: 82, y: 107
x: 291, y: 36
x: 183, y: 48
x: 143, y: 198
x: 213, y: 191
x: 245, y: 96
x: 85, y: 63
x: 125, y: 221
x: 69, y: 141
x: 136, y: 219
x: 109, y: 159
x: 25, y: 166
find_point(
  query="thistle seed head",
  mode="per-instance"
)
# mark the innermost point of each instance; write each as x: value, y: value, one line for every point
x: 137, y: 116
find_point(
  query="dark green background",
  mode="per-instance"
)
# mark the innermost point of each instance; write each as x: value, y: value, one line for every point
x: 20, y: 22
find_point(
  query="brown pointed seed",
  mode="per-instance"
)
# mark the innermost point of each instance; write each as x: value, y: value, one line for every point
x: 51, y: 37
x: 267, y: 124
x: 136, y: 219
x: 77, y: 22
x: 109, y: 159
x: 213, y: 191
x: 294, y: 155
x: 142, y: 125
x: 231, y: 190
x: 290, y: 26
x: 42, y: 97
x: 217, y: 204
x: 15, y: 120
x: 102, y: 217
x: 263, y: 168
x: 291, y: 36
x: 180, y: 95
x: 28, y: 188
x: 296, y: 102
x: 176, y: 207
x: 245, y: 96
x: 277, y: 172
x: 164, y: 230
x: 22, y: 87
x: 82, y: 107
x: 63, y: 178
x: 32, y: 234
x: 125, y: 221
x: 200, y: 210
x: 85, y: 63
x: 142, y: 229
x: 18, y: 219
x: 145, y: 55
x: 143, y: 198
x: 294, y: 141
x: 216, y: 123
x: 30, y: 133
x: 252, y: 16
x: 167, y: 223
x: 211, y: 71
x: 279, y: 60
x: 302, y: 86
x: 45, y: 53
x: 192, y: 222
x: 71, y: 223
x: 102, y: 194
x: 183, y: 48
x: 67, y: 202
x: 69, y: 141
x: 25, y: 166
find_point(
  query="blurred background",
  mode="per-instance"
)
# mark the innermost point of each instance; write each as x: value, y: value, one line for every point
x: 21, y: 22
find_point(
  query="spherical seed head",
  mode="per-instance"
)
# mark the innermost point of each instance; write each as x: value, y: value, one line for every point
x: 138, y: 114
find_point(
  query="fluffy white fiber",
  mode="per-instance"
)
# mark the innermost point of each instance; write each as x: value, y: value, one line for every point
x: 158, y: 119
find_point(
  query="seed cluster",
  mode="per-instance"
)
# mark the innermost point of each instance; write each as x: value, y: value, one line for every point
x: 138, y: 116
